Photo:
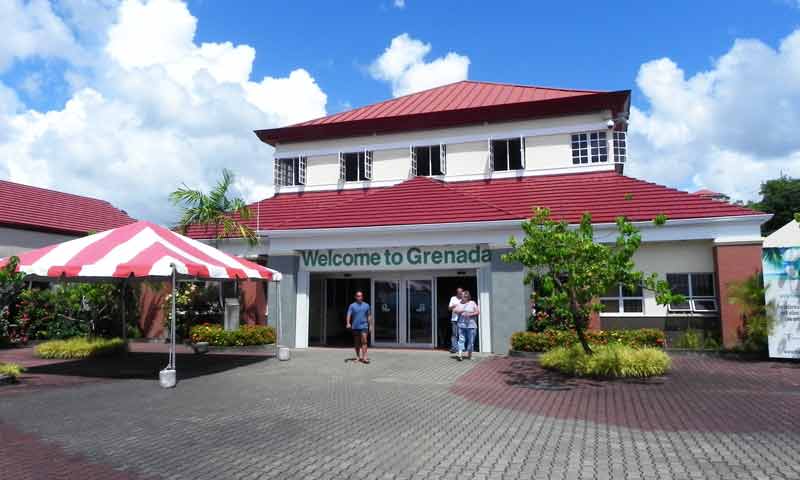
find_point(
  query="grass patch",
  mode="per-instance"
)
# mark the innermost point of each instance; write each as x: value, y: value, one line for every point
x: 11, y: 370
x: 80, y: 347
x: 607, y: 361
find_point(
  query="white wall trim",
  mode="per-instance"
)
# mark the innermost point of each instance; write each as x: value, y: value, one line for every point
x: 484, y: 300
x: 302, y: 309
x: 444, y: 140
x: 496, y: 233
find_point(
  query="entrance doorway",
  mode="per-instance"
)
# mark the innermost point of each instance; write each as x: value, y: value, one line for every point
x: 410, y: 309
x: 446, y: 288
x: 403, y: 311
x: 328, y: 302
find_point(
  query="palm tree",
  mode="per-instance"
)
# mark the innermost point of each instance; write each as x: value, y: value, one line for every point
x: 215, y: 208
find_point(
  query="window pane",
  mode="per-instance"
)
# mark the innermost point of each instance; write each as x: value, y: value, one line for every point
x: 351, y: 167
x: 680, y: 307
x: 705, y: 305
x: 515, y: 154
x: 632, y: 306
x: 362, y: 166
x: 611, y: 306
x: 636, y: 292
x: 679, y: 283
x: 702, y: 284
x: 499, y: 155
x: 613, y: 291
x: 423, y: 161
x: 436, y: 160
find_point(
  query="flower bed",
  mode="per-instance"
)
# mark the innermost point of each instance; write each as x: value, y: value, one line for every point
x: 607, y: 361
x: 549, y: 339
x: 10, y: 371
x: 80, y: 347
x: 216, y: 336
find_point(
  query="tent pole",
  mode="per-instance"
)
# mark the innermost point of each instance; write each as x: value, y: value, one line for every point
x: 172, y: 322
x: 278, y: 304
x: 124, y: 311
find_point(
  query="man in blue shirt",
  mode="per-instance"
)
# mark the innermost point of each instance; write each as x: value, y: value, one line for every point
x: 359, y: 319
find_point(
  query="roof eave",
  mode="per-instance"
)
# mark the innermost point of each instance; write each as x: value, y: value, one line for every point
x: 618, y: 102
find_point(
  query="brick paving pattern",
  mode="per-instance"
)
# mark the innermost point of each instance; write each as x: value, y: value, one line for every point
x: 420, y: 415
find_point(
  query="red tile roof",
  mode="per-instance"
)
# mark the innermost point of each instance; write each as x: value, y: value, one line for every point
x: 421, y: 200
x: 33, y: 208
x: 457, y: 103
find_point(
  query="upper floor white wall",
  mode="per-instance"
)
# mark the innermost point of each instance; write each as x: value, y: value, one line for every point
x: 547, y: 149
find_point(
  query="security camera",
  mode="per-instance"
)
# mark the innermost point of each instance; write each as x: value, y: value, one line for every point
x: 610, y: 124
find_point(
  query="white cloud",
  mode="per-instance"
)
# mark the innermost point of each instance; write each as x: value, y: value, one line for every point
x: 728, y: 128
x: 403, y: 65
x: 400, y: 3
x: 32, y: 29
x: 153, y: 110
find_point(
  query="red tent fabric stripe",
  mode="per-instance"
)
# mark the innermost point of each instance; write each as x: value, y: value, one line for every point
x: 140, y: 250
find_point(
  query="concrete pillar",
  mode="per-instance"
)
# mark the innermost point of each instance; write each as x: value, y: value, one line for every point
x: 733, y: 263
x: 509, y: 301
x: 288, y: 266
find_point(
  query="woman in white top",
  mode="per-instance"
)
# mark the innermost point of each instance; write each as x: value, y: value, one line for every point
x: 468, y: 313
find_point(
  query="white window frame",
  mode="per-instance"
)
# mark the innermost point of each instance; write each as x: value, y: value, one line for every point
x: 508, y: 153
x: 620, y: 299
x: 284, y: 169
x: 367, y: 173
x: 691, y: 299
x: 619, y: 148
x: 442, y: 159
x: 582, y: 142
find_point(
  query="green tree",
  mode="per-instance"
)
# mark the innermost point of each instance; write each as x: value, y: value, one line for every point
x: 571, y: 270
x: 749, y: 295
x: 781, y: 198
x: 215, y: 209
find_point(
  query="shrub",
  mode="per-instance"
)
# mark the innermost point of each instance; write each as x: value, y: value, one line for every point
x: 549, y: 339
x: 11, y: 370
x: 689, y: 339
x: 608, y: 361
x: 80, y: 347
x: 749, y: 295
x: 245, y: 335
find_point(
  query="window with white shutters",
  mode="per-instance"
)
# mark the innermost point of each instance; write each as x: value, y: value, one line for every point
x: 289, y: 172
x: 507, y: 154
x: 355, y: 166
x: 428, y: 160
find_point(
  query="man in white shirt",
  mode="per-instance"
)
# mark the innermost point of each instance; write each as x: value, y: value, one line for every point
x: 455, y: 300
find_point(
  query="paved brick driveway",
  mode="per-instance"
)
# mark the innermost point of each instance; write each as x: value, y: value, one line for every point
x: 411, y: 415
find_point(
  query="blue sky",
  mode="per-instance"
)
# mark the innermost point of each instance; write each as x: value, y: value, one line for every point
x: 126, y: 100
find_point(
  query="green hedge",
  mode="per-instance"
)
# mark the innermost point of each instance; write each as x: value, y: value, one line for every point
x: 549, y: 339
x: 12, y: 370
x: 245, y: 335
x: 607, y: 361
x: 80, y: 347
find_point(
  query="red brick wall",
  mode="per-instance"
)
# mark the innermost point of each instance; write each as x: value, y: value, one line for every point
x: 254, y: 302
x: 151, y: 315
x: 733, y: 263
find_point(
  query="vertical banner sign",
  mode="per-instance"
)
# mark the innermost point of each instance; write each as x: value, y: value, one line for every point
x: 782, y: 281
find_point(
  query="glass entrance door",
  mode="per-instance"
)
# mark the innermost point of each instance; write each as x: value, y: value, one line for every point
x: 419, y: 311
x: 386, y: 311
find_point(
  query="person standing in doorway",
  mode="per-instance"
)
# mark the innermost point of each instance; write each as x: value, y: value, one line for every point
x: 468, y: 312
x: 359, y: 319
x: 455, y: 301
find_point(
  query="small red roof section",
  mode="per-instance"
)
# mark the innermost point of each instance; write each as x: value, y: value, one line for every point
x: 454, y: 104
x: 421, y: 200
x: 33, y: 208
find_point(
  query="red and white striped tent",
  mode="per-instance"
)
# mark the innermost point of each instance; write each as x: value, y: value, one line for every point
x: 141, y: 250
